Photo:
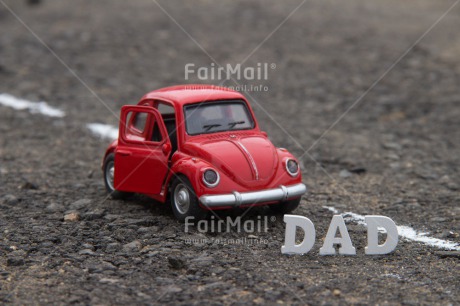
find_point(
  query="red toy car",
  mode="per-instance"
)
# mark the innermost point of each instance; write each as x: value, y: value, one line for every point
x: 201, y: 147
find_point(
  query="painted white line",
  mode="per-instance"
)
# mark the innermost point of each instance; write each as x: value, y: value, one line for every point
x: 404, y: 231
x: 332, y: 209
x: 392, y: 275
x: 410, y: 234
x: 104, y: 131
x: 33, y: 107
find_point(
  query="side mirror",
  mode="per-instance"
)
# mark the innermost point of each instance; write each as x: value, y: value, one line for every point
x: 166, y: 148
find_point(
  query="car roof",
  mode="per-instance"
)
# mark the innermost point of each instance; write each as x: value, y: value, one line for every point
x: 192, y: 93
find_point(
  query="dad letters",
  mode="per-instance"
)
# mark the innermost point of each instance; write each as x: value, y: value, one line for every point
x: 374, y: 225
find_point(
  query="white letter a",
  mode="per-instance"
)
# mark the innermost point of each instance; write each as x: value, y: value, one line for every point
x: 346, y: 247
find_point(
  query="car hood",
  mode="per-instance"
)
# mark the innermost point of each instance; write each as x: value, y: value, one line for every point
x: 246, y: 159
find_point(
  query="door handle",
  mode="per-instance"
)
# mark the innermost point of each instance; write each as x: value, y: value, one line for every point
x: 166, y: 148
x: 124, y: 153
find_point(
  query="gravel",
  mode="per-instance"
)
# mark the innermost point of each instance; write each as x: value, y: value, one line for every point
x: 396, y: 153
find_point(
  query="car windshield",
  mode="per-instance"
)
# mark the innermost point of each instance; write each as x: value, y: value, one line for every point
x: 215, y: 117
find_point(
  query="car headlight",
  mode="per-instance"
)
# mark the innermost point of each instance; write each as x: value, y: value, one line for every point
x: 211, y: 178
x: 292, y: 167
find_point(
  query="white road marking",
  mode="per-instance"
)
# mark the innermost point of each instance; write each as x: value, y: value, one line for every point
x: 104, y: 131
x: 410, y: 234
x: 33, y: 107
x: 392, y: 275
x: 404, y: 231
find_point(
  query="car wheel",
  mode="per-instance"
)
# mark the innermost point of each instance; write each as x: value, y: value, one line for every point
x: 285, y: 207
x: 109, y: 172
x: 184, y: 202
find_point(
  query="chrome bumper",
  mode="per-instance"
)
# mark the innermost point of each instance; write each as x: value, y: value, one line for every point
x: 236, y: 198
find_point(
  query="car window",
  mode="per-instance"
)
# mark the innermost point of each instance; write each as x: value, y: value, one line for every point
x: 214, y: 117
x: 167, y: 112
x: 165, y: 109
x: 156, y: 134
x: 139, y: 121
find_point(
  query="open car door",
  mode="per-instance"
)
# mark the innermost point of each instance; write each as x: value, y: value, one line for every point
x: 142, y: 154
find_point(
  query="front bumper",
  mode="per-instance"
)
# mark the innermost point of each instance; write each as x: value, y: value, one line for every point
x: 236, y: 198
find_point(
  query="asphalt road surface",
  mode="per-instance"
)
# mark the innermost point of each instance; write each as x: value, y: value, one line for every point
x: 365, y: 93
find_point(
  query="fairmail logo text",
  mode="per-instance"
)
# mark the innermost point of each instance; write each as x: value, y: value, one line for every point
x: 227, y: 225
x: 227, y: 72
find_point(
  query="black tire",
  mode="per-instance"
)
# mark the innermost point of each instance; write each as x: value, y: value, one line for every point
x: 184, y: 202
x: 285, y: 207
x: 109, y: 168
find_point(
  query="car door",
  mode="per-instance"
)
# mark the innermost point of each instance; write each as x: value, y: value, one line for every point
x: 142, y: 154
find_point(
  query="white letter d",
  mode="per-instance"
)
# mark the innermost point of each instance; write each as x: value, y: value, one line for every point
x: 373, y: 224
x: 292, y: 222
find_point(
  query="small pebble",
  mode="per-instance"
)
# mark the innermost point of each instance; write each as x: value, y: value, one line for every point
x: 72, y: 217
x: 345, y: 173
x: 176, y: 263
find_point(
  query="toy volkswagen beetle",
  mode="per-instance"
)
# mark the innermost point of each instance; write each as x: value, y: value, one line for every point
x: 200, y: 147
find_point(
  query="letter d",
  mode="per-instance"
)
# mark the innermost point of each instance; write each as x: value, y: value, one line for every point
x: 292, y: 222
x: 373, y: 224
